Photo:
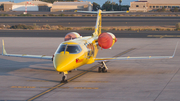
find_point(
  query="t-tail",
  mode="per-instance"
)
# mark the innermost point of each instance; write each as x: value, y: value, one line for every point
x: 99, y: 13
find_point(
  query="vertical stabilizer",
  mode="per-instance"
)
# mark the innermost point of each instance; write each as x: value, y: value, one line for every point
x: 97, y: 31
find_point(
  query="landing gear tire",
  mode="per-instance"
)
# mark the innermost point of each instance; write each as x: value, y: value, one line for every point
x: 64, y: 80
x: 104, y: 70
x: 99, y: 69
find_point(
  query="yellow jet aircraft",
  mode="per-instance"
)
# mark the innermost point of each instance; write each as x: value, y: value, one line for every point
x: 76, y: 50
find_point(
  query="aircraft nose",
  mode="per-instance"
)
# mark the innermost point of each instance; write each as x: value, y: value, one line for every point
x: 63, y: 63
x: 60, y: 67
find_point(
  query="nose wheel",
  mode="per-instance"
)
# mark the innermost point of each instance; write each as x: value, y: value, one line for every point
x: 103, y: 68
x: 64, y: 78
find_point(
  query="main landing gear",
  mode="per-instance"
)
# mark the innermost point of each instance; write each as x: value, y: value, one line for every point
x: 103, y: 68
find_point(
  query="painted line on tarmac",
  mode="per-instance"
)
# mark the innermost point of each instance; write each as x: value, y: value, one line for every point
x: 35, y: 87
x: 92, y: 81
x: 37, y: 81
x: 86, y: 88
x: 23, y: 87
x: 164, y: 36
x: 75, y: 77
x: 71, y: 81
x: 57, y: 87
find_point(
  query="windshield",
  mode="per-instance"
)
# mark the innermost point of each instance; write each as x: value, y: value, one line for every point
x: 69, y: 48
x: 61, y: 48
x: 73, y: 49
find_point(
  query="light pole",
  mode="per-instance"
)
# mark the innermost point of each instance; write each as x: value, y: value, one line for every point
x: 112, y: 6
x: 120, y: 4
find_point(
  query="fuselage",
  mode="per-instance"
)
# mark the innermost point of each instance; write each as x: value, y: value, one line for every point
x: 75, y: 53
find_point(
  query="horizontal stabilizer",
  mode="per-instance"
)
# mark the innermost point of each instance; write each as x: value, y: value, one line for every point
x: 103, y: 12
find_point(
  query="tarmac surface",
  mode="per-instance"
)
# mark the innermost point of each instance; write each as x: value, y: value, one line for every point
x: 90, y: 21
x: 134, y: 80
x: 61, y: 33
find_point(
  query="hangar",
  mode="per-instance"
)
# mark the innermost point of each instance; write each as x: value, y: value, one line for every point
x: 31, y: 6
x: 71, y: 6
x: 152, y: 5
x: 36, y: 5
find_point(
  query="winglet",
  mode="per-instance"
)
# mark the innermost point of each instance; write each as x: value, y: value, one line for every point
x: 3, y: 48
x: 175, y: 50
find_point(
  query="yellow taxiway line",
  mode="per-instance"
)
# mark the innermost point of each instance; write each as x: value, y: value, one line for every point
x: 164, y: 36
x: 57, y: 87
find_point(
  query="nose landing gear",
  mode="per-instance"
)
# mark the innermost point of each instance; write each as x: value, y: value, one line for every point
x: 64, y: 78
x: 103, y: 68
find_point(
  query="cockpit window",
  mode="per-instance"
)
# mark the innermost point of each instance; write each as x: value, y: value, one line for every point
x: 72, y: 49
x: 61, y: 48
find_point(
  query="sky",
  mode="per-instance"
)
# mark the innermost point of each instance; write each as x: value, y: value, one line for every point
x: 124, y: 2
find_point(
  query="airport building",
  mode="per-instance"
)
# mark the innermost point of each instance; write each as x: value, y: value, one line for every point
x: 153, y: 5
x: 6, y: 6
x: 36, y: 5
x: 31, y: 6
x: 71, y: 6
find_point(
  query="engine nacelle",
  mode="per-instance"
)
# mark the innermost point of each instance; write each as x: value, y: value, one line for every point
x: 106, y: 40
x: 71, y: 35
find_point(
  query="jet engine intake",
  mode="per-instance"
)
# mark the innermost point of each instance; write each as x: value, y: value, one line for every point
x: 71, y: 35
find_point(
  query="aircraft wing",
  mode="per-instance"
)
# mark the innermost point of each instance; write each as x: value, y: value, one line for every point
x: 131, y: 58
x: 4, y: 53
x: 136, y: 58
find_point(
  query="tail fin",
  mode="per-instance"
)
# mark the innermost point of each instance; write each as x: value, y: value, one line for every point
x: 3, y: 48
x: 97, y: 31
